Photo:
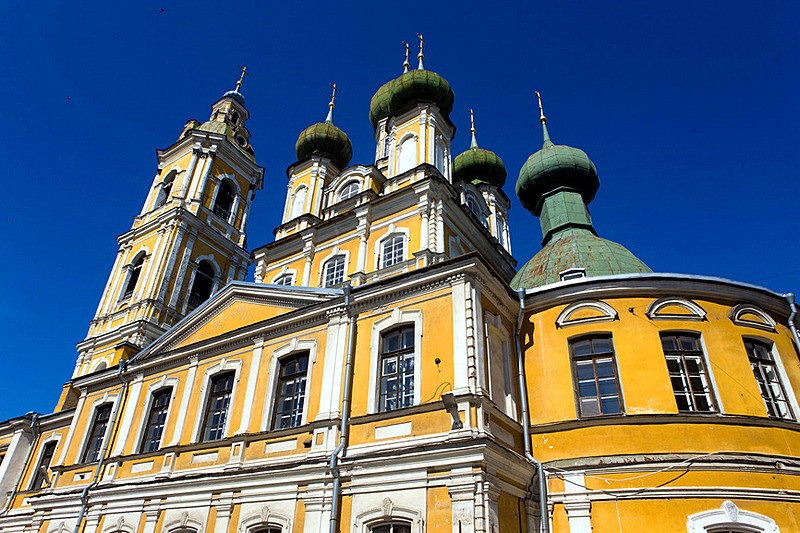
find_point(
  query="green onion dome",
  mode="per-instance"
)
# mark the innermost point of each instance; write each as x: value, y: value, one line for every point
x: 411, y: 88
x: 479, y: 167
x: 323, y: 138
x: 556, y: 166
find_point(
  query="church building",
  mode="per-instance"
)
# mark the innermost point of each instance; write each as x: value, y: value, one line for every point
x: 392, y: 369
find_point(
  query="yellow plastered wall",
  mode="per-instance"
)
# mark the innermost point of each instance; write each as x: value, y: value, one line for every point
x: 439, y: 511
x: 508, y: 511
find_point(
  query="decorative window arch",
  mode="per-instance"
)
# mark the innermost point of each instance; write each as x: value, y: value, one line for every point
x: 120, y: 526
x: 586, y: 312
x: 184, y: 524
x: 381, y: 327
x: 730, y: 518
x: 297, y: 204
x: 348, y: 190
x: 101, y: 365
x: 675, y: 308
x: 279, y: 356
x: 134, y: 271
x: 204, y: 281
x: 387, y: 514
x: 751, y: 316
x: 165, y: 189
x: 223, y: 367
x: 407, y: 153
x: 263, y: 521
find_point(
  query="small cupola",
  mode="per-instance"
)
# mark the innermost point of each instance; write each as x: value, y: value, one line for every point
x: 478, y: 166
x: 325, y: 139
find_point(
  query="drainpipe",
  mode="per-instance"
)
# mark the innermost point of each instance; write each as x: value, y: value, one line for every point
x: 341, y: 449
x: 792, y: 325
x: 123, y: 367
x: 526, y: 437
x: 34, y: 425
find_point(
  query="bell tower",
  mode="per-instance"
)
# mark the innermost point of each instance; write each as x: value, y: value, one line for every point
x: 188, y: 241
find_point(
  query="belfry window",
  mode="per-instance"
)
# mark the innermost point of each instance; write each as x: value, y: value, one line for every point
x: 202, y: 285
x: 41, y: 477
x: 224, y: 200
x: 291, y: 391
x: 156, y: 421
x: 97, y: 433
x: 334, y: 271
x: 396, y: 385
x: 165, y: 189
x: 133, y: 278
x: 596, y: 376
x: 687, y: 372
x: 217, y: 407
x: 768, y: 379
x: 392, y: 250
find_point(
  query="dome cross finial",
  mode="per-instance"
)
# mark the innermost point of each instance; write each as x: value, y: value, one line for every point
x: 420, y: 56
x: 543, y: 120
x: 332, y: 103
x: 406, y: 64
x: 474, y: 142
x: 241, y: 78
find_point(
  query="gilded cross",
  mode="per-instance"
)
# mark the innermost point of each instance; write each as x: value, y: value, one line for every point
x: 241, y: 78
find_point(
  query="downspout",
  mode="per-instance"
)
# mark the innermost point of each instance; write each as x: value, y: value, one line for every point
x: 341, y: 449
x: 792, y: 324
x: 34, y: 436
x: 123, y: 367
x: 526, y: 437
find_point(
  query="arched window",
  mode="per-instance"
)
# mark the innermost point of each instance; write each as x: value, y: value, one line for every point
x: 407, y: 156
x: 769, y: 381
x: 501, y: 231
x: 394, y: 527
x: 156, y: 421
x: 202, y: 285
x: 284, y: 279
x: 298, y: 206
x: 234, y: 118
x: 165, y: 189
x: 396, y: 367
x: 97, y: 433
x: 217, y: 406
x: 393, y: 250
x: 222, y: 205
x: 291, y: 393
x: 334, y: 271
x: 439, y: 156
x: 133, y: 277
x: 349, y: 190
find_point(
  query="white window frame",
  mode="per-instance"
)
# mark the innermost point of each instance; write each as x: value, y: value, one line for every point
x: 55, y: 437
x: 387, y: 254
x: 392, y: 231
x: 289, y: 274
x: 781, y: 370
x: 348, y: 184
x: 287, y: 350
x: 106, y: 398
x: 389, y: 512
x: 290, y: 215
x: 403, y: 160
x: 237, y: 191
x: 224, y: 365
x: 154, y: 387
x: 729, y: 515
x: 396, y: 318
x: 265, y: 518
x: 324, y: 269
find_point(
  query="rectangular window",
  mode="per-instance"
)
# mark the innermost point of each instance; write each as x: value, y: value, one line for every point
x: 156, y: 420
x: 397, y: 369
x: 687, y: 372
x: 769, y: 382
x: 219, y: 400
x: 392, y: 251
x: 97, y: 433
x: 291, y: 392
x: 596, y: 376
x: 41, y: 476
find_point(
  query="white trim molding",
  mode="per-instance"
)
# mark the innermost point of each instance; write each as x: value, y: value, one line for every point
x: 387, y: 512
x: 656, y: 309
x: 264, y: 518
x: 605, y: 313
x: 223, y: 365
x: 291, y: 348
x: 729, y: 515
x: 761, y: 320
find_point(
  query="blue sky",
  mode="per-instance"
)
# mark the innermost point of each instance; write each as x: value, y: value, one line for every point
x: 688, y: 109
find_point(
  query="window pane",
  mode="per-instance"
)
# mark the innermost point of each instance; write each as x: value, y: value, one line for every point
x: 589, y: 407
x: 397, y: 369
x: 605, y: 368
x: 291, y: 391
x: 687, y: 371
x: 611, y: 405
x: 596, y: 373
x: 582, y: 348
x: 217, y: 408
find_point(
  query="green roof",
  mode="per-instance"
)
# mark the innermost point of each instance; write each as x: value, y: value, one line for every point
x: 325, y: 139
x: 214, y: 126
x: 479, y: 166
x: 412, y: 87
x: 576, y: 248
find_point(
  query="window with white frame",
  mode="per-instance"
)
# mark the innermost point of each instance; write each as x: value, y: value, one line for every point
x: 97, y: 433
x: 333, y: 272
x: 217, y: 406
x: 284, y: 279
x: 393, y: 250
x: 291, y: 393
x: 769, y: 382
x: 165, y: 189
x: 133, y: 277
x: 687, y: 372
x: 202, y: 285
x: 396, y: 380
x: 439, y: 154
x: 349, y: 190
x: 156, y: 421
x: 407, y: 154
x: 42, y: 475
x: 298, y: 204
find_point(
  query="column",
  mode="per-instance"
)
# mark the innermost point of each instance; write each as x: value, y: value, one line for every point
x: 187, y: 252
x: 150, y: 518
x: 152, y: 263
x: 423, y: 137
x: 131, y: 406
x: 250, y: 391
x: 577, y: 504
x: 335, y: 347
x: 120, y: 275
x: 162, y: 292
x: 425, y: 229
x: 198, y: 195
x: 187, y: 177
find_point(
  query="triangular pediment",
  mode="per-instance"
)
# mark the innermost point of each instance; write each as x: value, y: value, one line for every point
x: 237, y: 305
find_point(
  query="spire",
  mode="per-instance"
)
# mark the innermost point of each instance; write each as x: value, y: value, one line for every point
x: 406, y: 64
x: 331, y: 104
x: 543, y: 120
x: 241, y: 78
x: 474, y: 142
x: 420, y: 56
